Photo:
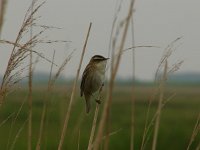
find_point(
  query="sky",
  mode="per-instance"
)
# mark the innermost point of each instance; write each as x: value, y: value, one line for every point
x: 156, y: 23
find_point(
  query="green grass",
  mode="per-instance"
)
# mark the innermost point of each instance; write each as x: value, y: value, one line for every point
x: 177, y: 119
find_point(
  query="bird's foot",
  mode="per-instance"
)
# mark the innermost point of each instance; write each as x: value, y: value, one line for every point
x: 98, y: 101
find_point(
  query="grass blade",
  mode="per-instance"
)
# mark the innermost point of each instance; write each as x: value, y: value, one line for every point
x: 73, y: 94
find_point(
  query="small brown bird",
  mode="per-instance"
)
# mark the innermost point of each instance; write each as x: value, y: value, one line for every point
x: 92, y: 78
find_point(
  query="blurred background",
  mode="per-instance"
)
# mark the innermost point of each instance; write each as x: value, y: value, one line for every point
x: 156, y: 23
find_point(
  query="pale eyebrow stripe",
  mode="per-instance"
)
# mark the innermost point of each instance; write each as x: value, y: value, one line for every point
x: 99, y: 58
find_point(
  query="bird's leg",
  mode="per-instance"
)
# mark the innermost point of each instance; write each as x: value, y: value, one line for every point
x: 98, y: 99
x: 101, y: 87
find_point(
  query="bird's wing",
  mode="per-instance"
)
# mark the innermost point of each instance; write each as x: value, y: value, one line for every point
x: 84, y: 76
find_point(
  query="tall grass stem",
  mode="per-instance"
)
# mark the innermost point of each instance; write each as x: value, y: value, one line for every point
x: 30, y: 88
x: 133, y: 88
x: 73, y: 93
x: 161, y: 96
x: 107, y: 103
x: 44, y: 110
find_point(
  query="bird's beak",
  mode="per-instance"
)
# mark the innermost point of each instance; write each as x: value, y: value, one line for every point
x: 107, y: 58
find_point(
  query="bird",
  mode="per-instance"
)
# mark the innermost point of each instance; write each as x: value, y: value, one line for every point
x: 92, y: 78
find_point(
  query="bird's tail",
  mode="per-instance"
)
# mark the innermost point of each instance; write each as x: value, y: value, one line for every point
x: 87, y: 100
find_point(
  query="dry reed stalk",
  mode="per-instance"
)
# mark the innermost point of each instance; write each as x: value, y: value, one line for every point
x: 148, y: 124
x: 127, y: 49
x: 30, y: 105
x: 111, y: 133
x: 17, y: 135
x: 60, y: 69
x: 73, y: 93
x: 151, y: 122
x: 30, y: 78
x: 147, y: 127
x: 106, y: 108
x: 44, y: 108
x: 78, y: 123
x: 51, y: 83
x: 14, y: 121
x: 17, y: 45
x: 21, y: 50
x: 19, y: 53
x: 132, y: 89
x: 140, y: 46
x: 111, y: 42
x: 94, y: 123
x: 14, y: 67
x: 195, y: 132
x: 161, y: 96
x: 167, y: 53
x: 4, y: 121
